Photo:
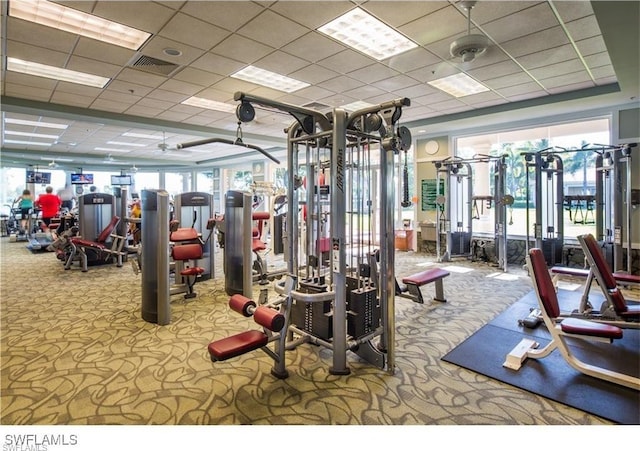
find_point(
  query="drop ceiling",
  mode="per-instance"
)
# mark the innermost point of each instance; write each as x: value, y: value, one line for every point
x: 544, y: 57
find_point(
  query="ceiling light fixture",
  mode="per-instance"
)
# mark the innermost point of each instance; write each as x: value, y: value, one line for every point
x: 472, y: 45
x: 74, y: 21
x: 121, y: 143
x: 210, y: 104
x: 140, y: 135
x: 363, y: 32
x: 42, y: 70
x: 32, y: 135
x: 108, y: 149
x: 27, y: 143
x: 459, y: 85
x: 9, y: 120
x: 269, y: 79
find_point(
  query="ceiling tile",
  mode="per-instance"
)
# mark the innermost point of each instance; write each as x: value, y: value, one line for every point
x: 591, y: 45
x: 229, y: 15
x: 340, y: 84
x: 314, y: 74
x: 197, y: 76
x: 346, y: 61
x: 507, y: 80
x: 26, y: 92
x: 399, y: 13
x: 313, y: 47
x: 572, y: 10
x: 94, y: 67
x: 567, y: 79
x: 211, y: 62
x: 495, y: 70
x: 597, y: 60
x: 547, y: 57
x: 536, y: 42
x: 583, y: 28
x: 373, y: 73
x: 436, y: 26
x: 272, y: 29
x: 281, y: 63
x: 312, y: 14
x: 139, y: 77
x: 143, y: 15
x: 411, y: 60
x: 489, y: 11
x: 571, y: 87
x: 522, y: 23
x: 39, y: 35
x: 97, y: 50
x: 552, y: 70
x: 193, y: 32
x: 242, y: 49
x: 397, y: 83
x: 35, y: 54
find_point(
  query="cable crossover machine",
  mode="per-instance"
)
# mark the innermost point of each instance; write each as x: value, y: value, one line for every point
x: 458, y: 207
x: 336, y: 224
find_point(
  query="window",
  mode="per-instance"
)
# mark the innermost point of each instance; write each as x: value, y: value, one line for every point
x: 567, y: 139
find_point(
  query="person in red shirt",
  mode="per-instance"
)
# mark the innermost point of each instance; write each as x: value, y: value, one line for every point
x: 49, y: 204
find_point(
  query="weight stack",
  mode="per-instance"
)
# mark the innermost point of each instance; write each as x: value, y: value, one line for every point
x: 460, y: 243
x: 314, y: 318
x: 552, y: 251
x: 363, y: 315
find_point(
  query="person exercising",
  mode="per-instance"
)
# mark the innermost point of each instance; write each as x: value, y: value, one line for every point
x: 50, y: 204
x: 25, y: 204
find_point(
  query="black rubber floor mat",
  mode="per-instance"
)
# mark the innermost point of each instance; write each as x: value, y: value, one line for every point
x: 485, y: 351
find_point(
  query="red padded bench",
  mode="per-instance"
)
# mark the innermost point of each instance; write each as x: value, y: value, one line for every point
x: 621, y: 278
x: 249, y: 340
x: 236, y: 345
x: 415, y: 281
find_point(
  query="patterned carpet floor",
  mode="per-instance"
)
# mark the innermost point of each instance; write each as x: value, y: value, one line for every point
x: 75, y: 351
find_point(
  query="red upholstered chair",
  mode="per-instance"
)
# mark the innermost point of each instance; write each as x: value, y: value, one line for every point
x: 107, y: 245
x: 562, y: 330
x: 615, y: 304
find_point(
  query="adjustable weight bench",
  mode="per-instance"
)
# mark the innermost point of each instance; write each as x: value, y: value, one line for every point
x: 412, y: 283
x: 563, y: 329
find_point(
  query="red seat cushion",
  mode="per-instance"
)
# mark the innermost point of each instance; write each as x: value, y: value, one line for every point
x: 258, y: 245
x: 236, y: 345
x: 195, y: 271
x: 424, y: 277
x: 590, y: 328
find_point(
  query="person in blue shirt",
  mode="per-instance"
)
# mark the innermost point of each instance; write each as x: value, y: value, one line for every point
x: 25, y: 204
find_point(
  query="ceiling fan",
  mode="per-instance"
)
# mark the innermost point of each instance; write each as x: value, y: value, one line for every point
x: 470, y: 46
x: 53, y: 164
x: 108, y: 159
x: 163, y: 146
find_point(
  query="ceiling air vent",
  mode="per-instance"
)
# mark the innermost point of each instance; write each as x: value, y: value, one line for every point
x: 153, y: 65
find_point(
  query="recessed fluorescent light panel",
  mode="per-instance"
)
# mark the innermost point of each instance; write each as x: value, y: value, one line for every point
x: 9, y: 120
x: 28, y: 143
x: 459, y: 85
x: 210, y: 104
x: 32, y: 135
x: 363, y: 32
x: 269, y: 79
x: 108, y: 149
x: 121, y: 143
x: 77, y: 22
x: 42, y: 70
x: 140, y: 135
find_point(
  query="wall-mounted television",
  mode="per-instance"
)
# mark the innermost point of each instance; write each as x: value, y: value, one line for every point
x: 39, y: 177
x: 82, y: 179
x: 121, y: 180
